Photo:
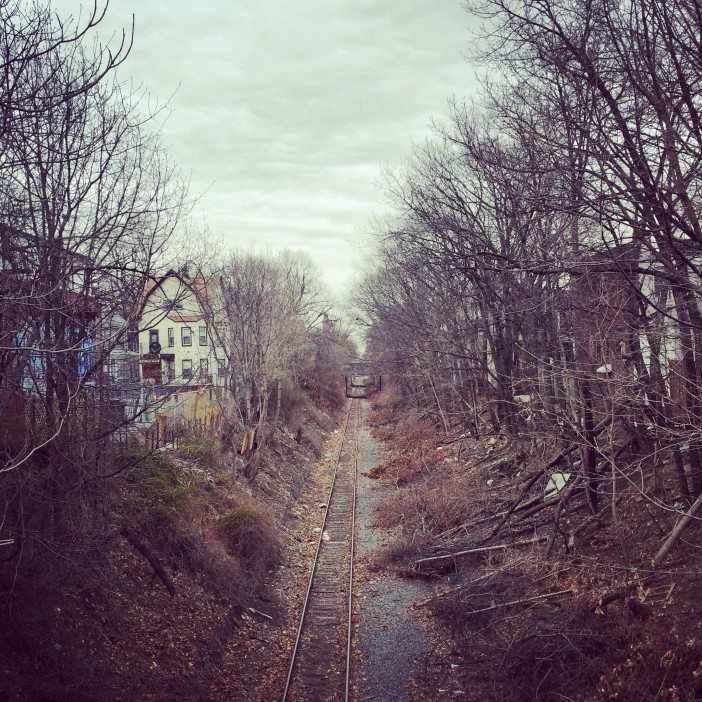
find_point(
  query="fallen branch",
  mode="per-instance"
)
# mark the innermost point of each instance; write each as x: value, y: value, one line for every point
x: 537, y: 500
x: 675, y: 534
x: 149, y: 555
x: 563, y: 454
x: 586, y: 528
x: 515, y: 507
x: 466, y: 526
x: 480, y: 549
x: 531, y: 527
x: 429, y: 600
x: 542, y: 505
x: 515, y: 504
x: 448, y: 442
x: 557, y: 516
x: 609, y: 599
x: 262, y: 614
x: 522, y: 601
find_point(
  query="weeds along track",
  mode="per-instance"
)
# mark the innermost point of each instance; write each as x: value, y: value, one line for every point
x: 321, y: 658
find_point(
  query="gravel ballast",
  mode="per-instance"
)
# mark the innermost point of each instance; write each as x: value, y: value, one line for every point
x: 390, y: 642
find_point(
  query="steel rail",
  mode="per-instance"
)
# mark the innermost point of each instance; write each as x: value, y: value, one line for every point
x: 353, y: 543
x: 315, y: 560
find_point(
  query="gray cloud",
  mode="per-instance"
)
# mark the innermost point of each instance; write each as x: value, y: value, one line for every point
x: 285, y: 111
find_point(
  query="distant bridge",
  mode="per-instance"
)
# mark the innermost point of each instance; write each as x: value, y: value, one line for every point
x: 362, y: 378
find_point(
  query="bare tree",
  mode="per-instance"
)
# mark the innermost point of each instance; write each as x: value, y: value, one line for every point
x: 90, y: 202
x: 262, y: 310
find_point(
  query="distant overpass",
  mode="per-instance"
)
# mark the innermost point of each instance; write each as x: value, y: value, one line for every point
x: 362, y: 378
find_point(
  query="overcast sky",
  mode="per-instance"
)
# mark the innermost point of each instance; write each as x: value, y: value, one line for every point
x: 285, y: 112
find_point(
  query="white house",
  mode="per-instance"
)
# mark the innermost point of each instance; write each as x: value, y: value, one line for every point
x: 176, y: 345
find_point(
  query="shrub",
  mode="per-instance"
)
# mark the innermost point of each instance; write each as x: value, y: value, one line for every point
x: 188, y: 548
x: 138, y: 460
x: 165, y: 495
x: 331, y: 390
x: 291, y: 397
x: 416, y: 456
x: 249, y: 533
x: 203, y: 449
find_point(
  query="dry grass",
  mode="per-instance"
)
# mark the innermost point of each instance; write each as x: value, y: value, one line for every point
x: 203, y: 450
x: 415, y: 458
x: 435, y: 490
x: 398, y: 555
x: 432, y: 505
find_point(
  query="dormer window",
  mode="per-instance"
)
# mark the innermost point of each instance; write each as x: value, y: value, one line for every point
x: 170, y: 305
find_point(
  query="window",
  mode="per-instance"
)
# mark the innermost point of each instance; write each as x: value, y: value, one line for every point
x: 204, y: 367
x: 171, y: 336
x: 169, y: 305
x: 202, y: 332
x: 187, y: 369
x: 86, y: 356
x: 569, y: 349
x: 132, y: 340
x: 186, y: 336
x: 132, y: 369
x: 221, y: 367
x: 111, y: 335
x: 123, y: 370
x: 36, y: 367
x: 153, y: 336
x: 170, y: 371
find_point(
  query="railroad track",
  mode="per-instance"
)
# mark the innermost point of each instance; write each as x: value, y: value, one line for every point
x: 320, y: 665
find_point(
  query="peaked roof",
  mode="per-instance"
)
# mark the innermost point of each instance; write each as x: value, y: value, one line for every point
x: 201, y: 287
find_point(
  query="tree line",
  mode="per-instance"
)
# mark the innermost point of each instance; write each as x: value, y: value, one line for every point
x: 541, y: 277
x: 270, y: 316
